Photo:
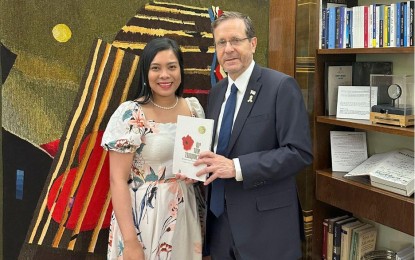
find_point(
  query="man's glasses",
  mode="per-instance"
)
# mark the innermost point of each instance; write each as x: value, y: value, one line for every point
x: 234, y: 42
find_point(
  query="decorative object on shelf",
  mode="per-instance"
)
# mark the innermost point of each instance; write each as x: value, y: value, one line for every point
x: 406, y: 253
x: 394, y: 101
x: 380, y: 255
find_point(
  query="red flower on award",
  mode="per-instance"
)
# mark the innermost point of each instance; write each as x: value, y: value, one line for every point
x: 187, y: 142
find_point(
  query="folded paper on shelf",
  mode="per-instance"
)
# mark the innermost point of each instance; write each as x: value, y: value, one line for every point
x: 392, y: 171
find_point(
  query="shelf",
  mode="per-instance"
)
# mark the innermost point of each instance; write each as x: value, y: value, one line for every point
x: 389, y: 50
x: 387, y: 208
x: 367, y: 125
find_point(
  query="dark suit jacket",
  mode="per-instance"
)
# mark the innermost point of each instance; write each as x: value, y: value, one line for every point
x: 271, y: 138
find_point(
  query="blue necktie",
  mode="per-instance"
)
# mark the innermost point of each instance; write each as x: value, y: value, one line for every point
x: 217, y: 199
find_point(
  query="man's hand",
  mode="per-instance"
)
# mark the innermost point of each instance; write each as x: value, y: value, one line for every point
x: 218, y: 165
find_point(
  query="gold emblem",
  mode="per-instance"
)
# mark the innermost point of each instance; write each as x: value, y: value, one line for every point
x: 202, y: 129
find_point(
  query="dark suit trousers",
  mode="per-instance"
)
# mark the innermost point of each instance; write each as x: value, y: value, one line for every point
x: 222, y: 245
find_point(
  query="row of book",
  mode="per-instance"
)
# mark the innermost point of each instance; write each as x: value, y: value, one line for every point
x: 348, y: 238
x: 373, y: 26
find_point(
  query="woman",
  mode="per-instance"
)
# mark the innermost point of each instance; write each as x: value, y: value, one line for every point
x: 156, y: 216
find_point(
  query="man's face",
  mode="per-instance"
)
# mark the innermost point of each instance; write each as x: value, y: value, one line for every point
x: 234, y: 50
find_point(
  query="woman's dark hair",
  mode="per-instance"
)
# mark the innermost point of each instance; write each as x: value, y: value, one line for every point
x: 150, y: 51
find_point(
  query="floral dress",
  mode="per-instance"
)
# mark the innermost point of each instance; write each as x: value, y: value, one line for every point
x: 167, y: 214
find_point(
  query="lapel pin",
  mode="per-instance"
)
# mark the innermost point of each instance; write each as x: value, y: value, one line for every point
x: 252, y: 94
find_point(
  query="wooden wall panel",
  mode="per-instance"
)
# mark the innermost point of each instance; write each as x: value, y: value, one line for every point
x: 281, y: 49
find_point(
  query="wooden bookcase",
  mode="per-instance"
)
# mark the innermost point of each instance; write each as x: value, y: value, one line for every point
x: 336, y: 195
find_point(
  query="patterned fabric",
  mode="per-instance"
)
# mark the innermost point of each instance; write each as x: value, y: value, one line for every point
x: 166, y: 212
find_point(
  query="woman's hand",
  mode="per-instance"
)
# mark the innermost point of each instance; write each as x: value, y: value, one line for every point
x: 182, y: 177
x: 133, y: 251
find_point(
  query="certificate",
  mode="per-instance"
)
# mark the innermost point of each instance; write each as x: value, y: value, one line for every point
x: 193, y: 135
x: 354, y: 102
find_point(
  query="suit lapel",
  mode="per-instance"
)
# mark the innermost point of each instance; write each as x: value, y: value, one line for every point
x: 248, y: 102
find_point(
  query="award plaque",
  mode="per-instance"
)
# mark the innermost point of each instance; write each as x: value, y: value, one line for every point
x: 394, y: 101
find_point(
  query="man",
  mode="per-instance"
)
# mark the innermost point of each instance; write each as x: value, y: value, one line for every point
x: 254, y: 210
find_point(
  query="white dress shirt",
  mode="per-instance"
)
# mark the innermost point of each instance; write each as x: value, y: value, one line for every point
x: 241, y: 83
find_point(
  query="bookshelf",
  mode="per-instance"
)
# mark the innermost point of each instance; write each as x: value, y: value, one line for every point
x: 334, y: 194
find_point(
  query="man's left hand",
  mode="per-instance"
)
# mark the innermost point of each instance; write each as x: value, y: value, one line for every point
x: 218, y: 165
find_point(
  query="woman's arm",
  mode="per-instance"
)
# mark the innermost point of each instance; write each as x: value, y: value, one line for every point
x: 120, y: 167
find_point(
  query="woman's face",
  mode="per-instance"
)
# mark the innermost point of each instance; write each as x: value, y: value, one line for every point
x: 164, y: 74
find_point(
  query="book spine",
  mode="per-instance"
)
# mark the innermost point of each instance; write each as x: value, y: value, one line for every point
x: 324, y: 248
x: 408, y: 23
x: 323, y: 28
x: 398, y: 24
x: 338, y: 27
x: 365, y: 26
x: 330, y: 240
x: 336, y: 242
x: 392, y: 26
x: 411, y: 23
x: 372, y: 28
x: 381, y: 19
x: 356, y: 27
x: 347, y: 29
x: 386, y: 26
x: 342, y: 26
x: 405, y: 26
x: 332, y: 28
x: 377, y: 25
x: 402, y: 27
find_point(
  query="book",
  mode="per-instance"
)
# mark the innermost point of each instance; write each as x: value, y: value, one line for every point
x: 386, y: 25
x: 411, y: 6
x: 193, y: 135
x: 376, y: 26
x: 402, y: 23
x: 324, y: 242
x: 324, y: 4
x: 398, y: 24
x: 337, y: 230
x: 411, y: 29
x: 393, y: 22
x: 392, y: 171
x: 354, y: 241
x: 331, y: 12
x: 330, y: 234
x: 381, y: 23
x: 337, y: 74
x: 366, y: 241
x: 346, y: 237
